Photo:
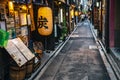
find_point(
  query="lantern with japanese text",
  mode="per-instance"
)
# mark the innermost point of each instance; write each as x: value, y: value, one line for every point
x: 44, y: 21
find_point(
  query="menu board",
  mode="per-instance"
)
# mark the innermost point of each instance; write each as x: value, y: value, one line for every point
x: 18, y: 51
x: 15, y: 53
x: 16, y: 19
x: 21, y: 46
x: 23, y: 19
x: 28, y: 19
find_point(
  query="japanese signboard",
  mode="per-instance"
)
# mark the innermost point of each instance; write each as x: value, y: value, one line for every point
x: 25, y: 51
x: 23, y: 19
x: 18, y: 51
x: 15, y: 53
x: 44, y: 21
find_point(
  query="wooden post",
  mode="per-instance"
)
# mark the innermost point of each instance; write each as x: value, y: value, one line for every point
x: 32, y: 15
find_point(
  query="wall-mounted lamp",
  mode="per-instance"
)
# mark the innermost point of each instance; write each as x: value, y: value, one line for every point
x: 61, y: 15
x: 59, y: 3
x: 29, y: 6
x: 11, y: 6
x: 97, y: 4
x: 24, y: 7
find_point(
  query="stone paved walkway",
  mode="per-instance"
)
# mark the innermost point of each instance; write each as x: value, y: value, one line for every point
x: 78, y: 60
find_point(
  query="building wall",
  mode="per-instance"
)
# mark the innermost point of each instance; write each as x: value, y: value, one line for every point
x: 117, y: 23
x: 111, y: 22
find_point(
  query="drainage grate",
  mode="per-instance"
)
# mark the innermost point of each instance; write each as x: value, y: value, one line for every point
x: 93, y: 47
x: 75, y: 35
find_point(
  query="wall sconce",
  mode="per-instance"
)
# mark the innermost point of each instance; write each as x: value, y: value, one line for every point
x: 59, y: 3
x: 10, y: 6
x: 97, y: 4
x: 61, y: 15
x: 29, y: 6
x: 24, y: 7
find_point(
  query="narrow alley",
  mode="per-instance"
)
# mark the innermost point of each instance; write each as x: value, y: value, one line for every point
x: 59, y: 40
x: 78, y: 60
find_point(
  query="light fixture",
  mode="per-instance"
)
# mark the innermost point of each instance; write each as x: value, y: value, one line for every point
x: 59, y: 3
x: 24, y: 7
x: 29, y: 6
x: 61, y: 15
x: 97, y: 4
x: 11, y: 6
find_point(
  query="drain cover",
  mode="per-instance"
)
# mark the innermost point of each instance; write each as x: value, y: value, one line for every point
x: 93, y: 47
x: 74, y: 35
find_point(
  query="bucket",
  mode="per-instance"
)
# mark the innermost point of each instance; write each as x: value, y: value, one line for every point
x: 16, y: 72
x: 29, y: 67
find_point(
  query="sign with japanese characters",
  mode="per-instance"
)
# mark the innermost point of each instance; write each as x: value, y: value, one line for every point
x: 15, y: 53
x: 23, y: 19
x: 44, y: 21
x: 18, y: 51
x: 23, y: 49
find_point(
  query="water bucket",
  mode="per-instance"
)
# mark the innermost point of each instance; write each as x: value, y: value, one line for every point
x: 16, y: 72
x: 29, y: 67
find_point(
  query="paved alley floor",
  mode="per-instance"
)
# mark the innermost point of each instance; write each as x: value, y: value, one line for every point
x: 78, y: 60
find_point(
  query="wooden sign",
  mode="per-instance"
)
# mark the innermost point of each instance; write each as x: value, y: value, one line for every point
x: 23, y: 49
x: 23, y: 19
x: 15, y: 53
x: 19, y: 52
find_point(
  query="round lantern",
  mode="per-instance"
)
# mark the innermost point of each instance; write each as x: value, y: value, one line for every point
x: 44, y: 21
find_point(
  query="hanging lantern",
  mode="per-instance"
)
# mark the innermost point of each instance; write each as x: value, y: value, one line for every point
x: 10, y: 5
x: 45, y: 22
